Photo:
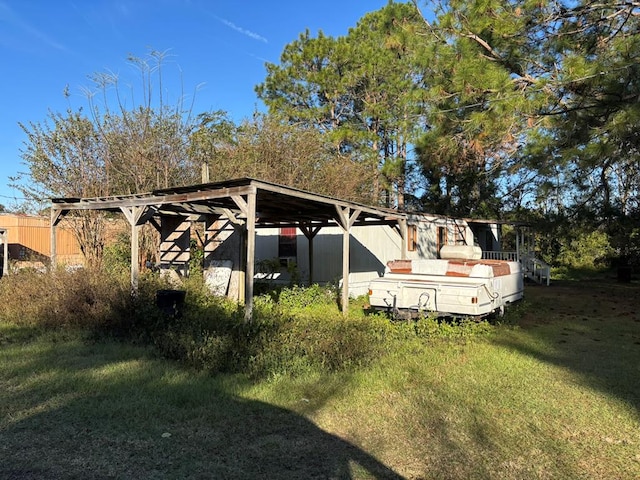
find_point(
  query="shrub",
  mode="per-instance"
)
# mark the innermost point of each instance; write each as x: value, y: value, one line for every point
x: 297, y: 299
x: 81, y: 298
x: 302, y: 330
x: 434, y: 327
x: 514, y: 313
x: 117, y: 255
x: 332, y: 344
x: 587, y: 250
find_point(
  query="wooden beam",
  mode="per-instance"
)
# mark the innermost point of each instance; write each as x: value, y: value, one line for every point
x: 346, y: 237
x: 5, y: 258
x: 242, y: 270
x: 157, y: 199
x: 232, y: 218
x: 57, y: 215
x: 135, y: 258
x: 389, y: 214
x: 241, y: 203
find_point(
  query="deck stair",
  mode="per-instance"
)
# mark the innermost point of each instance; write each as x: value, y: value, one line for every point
x: 491, y: 242
x: 536, y: 269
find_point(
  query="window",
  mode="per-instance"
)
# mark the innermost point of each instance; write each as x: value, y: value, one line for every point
x: 287, y: 243
x: 412, y: 238
x: 441, y: 239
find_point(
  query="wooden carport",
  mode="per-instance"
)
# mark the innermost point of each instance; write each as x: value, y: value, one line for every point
x: 248, y: 204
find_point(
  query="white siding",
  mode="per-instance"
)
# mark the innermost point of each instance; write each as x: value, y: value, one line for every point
x: 370, y: 249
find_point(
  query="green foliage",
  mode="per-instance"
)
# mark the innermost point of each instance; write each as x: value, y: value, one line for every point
x: 299, y: 299
x: 196, y: 259
x: 117, y: 254
x: 514, y: 314
x: 571, y: 243
x: 298, y: 331
x: 270, y: 148
x: 363, y: 89
x: 588, y: 250
x: 432, y: 327
x: 268, y: 269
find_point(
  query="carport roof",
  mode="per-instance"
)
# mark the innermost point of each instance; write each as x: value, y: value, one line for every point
x: 276, y: 205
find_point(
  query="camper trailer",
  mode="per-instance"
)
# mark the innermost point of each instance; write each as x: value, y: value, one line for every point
x: 460, y: 283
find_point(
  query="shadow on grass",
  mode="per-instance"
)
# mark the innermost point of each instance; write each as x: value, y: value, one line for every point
x: 589, y: 327
x: 71, y: 410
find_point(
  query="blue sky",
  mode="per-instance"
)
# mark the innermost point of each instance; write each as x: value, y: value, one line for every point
x: 216, y: 49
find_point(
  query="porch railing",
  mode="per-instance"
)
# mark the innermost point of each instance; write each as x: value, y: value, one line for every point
x: 495, y: 255
x: 532, y: 267
x: 536, y: 269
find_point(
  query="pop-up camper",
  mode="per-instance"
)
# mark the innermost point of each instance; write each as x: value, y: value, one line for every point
x: 459, y: 283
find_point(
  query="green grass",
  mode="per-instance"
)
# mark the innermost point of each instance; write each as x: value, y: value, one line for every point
x: 556, y: 397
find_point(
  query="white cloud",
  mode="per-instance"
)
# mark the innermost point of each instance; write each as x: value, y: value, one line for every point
x: 243, y: 31
x: 8, y: 16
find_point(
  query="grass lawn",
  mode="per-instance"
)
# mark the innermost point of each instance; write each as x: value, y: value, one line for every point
x: 556, y: 397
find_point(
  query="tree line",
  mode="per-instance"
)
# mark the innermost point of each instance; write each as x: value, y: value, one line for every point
x: 511, y: 110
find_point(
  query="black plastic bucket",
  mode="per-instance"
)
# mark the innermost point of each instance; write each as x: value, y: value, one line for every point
x: 624, y: 274
x: 171, y: 302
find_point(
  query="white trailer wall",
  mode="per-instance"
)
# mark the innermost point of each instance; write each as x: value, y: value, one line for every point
x: 370, y: 249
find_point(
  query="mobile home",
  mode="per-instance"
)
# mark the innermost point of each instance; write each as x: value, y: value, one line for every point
x: 283, y: 253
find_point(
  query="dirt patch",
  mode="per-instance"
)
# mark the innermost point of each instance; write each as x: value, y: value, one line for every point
x: 583, y: 300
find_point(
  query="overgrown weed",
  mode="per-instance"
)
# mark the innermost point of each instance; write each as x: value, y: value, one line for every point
x: 80, y: 298
x: 294, y: 332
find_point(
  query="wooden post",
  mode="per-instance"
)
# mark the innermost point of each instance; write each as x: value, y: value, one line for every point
x: 53, y: 244
x: 5, y: 257
x: 250, y: 257
x: 242, y: 262
x: 346, y: 236
x: 310, y: 232
x: 135, y: 218
x: 4, y: 237
x: 248, y: 247
x: 56, y: 215
x: 346, y: 219
x: 135, y: 258
x: 310, y: 259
